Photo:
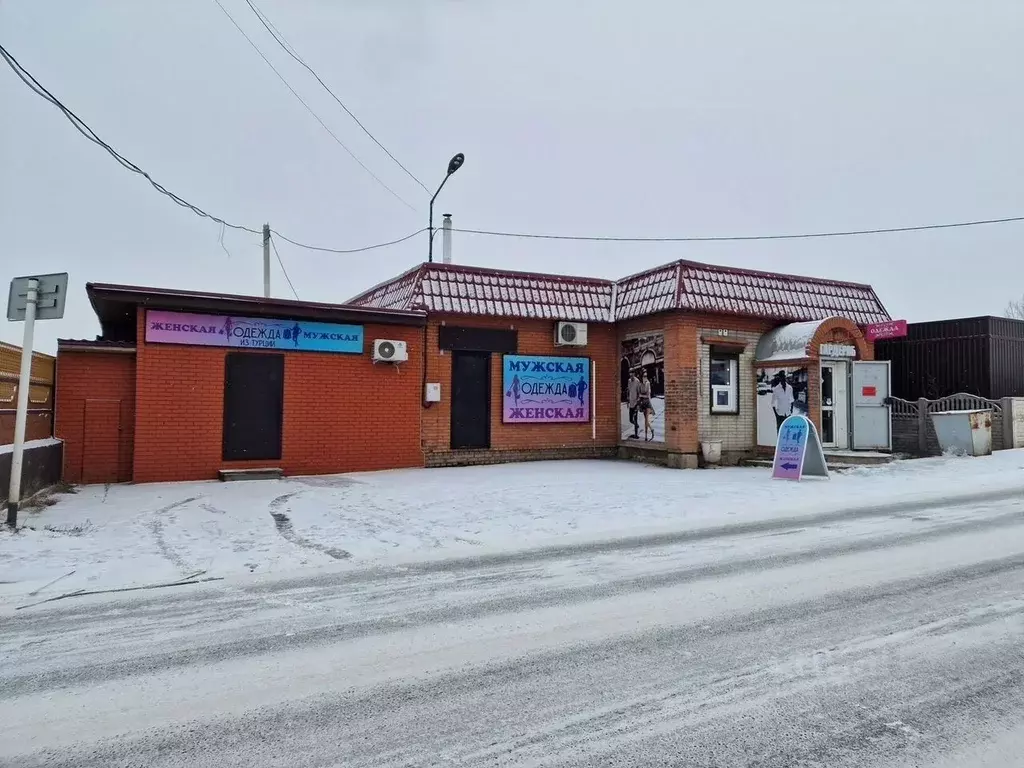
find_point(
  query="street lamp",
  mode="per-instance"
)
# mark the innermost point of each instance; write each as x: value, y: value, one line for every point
x: 453, y: 165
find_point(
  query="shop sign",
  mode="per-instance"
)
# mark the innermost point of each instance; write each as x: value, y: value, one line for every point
x: 894, y: 329
x: 545, y: 390
x: 837, y: 350
x: 798, y: 452
x: 252, y: 333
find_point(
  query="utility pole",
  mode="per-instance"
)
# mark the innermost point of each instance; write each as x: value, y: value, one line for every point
x: 266, y: 261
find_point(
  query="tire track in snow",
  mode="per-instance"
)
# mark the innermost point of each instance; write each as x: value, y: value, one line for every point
x: 156, y: 523
x: 257, y: 642
x: 287, y: 530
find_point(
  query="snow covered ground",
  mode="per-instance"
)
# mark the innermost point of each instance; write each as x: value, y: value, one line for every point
x: 138, y: 534
x: 882, y: 637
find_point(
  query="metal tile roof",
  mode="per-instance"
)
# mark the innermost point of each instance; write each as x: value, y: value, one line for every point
x: 687, y: 285
x: 681, y: 285
x: 451, y: 289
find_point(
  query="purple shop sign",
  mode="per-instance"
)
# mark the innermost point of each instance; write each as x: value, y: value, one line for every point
x: 545, y: 390
x: 891, y: 329
x: 251, y: 333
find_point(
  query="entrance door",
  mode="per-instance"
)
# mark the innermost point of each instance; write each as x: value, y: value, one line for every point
x: 835, y: 406
x: 471, y: 400
x: 101, y: 459
x: 872, y: 420
x: 253, y: 406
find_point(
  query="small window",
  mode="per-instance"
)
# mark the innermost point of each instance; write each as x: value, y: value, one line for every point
x: 725, y: 384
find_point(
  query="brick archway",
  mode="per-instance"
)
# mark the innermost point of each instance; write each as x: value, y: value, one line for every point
x: 840, y: 330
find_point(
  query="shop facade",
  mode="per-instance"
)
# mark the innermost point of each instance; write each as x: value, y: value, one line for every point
x: 698, y: 339
x: 449, y: 365
x: 182, y: 385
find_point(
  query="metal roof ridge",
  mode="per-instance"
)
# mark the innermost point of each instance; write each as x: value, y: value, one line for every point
x: 763, y: 273
x: 474, y: 270
x: 389, y: 281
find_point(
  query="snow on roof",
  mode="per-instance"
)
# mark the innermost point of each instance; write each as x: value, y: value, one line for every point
x: 787, y: 342
x: 681, y: 285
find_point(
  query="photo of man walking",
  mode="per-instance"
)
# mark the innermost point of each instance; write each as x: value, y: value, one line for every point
x: 633, y: 401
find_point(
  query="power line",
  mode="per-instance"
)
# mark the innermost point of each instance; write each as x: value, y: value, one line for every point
x: 285, y: 271
x: 350, y: 250
x: 290, y: 50
x: 735, y: 238
x: 309, y: 109
x: 36, y: 87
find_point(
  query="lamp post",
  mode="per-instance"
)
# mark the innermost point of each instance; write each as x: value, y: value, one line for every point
x: 453, y: 165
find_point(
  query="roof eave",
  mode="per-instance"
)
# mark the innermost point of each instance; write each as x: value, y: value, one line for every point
x: 104, y: 297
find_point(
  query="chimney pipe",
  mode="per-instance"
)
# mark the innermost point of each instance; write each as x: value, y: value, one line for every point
x: 446, y: 239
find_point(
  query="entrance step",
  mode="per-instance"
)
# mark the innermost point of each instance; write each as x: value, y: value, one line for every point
x: 836, y: 461
x: 858, y: 458
x: 259, y: 473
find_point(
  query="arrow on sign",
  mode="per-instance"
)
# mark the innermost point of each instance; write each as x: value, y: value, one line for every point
x: 789, y: 466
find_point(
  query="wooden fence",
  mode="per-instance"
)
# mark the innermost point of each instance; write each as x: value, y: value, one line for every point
x: 40, y: 394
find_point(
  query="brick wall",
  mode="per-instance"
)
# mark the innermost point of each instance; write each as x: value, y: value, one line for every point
x: 95, y: 409
x: 738, y: 432
x: 535, y: 337
x: 342, y: 413
x: 687, y: 399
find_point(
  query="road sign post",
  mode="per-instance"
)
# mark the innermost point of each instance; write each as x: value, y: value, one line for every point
x: 38, y: 297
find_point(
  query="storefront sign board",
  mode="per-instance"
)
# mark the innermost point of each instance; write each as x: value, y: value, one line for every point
x: 837, y: 350
x: 893, y: 329
x: 798, y: 452
x: 252, y: 333
x: 545, y: 390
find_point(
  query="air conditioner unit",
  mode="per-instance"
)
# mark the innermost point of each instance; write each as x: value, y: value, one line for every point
x: 570, y: 334
x: 387, y: 351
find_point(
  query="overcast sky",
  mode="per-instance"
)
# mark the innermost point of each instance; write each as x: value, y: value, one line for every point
x: 652, y: 118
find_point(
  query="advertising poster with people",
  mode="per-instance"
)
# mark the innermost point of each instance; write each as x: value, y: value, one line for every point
x: 545, y: 390
x: 781, y: 392
x: 642, y: 388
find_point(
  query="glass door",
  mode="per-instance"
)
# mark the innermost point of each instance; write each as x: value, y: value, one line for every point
x: 835, y: 406
x: 828, y: 405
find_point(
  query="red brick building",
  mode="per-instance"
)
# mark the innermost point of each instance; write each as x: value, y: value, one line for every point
x: 696, y: 329
x: 132, y: 408
x: 495, y: 366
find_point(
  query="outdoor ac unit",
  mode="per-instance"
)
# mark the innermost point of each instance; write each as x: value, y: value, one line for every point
x: 571, y: 335
x: 387, y: 351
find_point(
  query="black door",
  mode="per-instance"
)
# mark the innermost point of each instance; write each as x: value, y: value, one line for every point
x: 471, y: 400
x: 253, y: 405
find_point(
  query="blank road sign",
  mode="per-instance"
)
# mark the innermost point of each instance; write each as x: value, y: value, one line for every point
x: 51, y: 295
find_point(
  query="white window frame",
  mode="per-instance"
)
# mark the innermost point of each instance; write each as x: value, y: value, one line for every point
x: 732, y: 388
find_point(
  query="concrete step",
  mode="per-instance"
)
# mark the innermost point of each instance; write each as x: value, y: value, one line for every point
x: 836, y: 462
x: 258, y: 473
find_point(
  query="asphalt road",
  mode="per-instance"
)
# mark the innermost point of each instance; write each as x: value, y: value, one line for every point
x: 884, y: 637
